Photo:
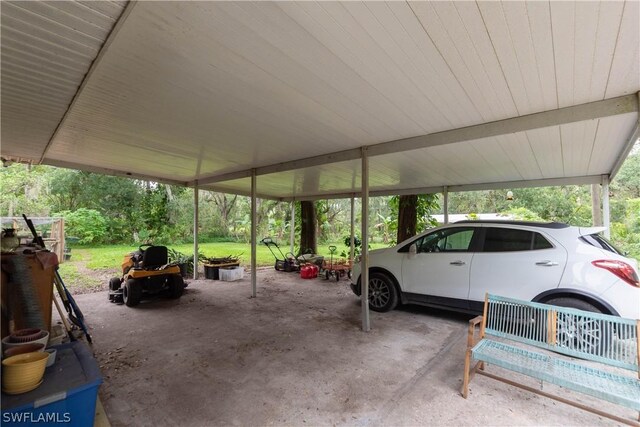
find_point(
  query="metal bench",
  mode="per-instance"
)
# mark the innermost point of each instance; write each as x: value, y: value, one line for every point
x: 607, y: 345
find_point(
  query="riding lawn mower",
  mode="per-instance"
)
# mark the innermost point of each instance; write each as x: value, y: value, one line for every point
x: 145, y: 273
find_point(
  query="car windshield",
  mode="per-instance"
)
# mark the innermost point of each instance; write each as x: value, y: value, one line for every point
x: 600, y: 242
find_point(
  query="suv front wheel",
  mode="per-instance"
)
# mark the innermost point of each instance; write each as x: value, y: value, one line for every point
x: 383, y: 295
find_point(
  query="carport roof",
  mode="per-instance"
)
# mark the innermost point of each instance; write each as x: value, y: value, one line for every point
x: 468, y: 95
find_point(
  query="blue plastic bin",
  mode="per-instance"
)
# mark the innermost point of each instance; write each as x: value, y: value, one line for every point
x: 67, y: 395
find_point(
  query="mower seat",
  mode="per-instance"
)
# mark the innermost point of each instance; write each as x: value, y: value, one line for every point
x: 154, y: 257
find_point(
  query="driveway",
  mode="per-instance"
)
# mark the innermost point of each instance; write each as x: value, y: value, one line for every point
x: 295, y: 355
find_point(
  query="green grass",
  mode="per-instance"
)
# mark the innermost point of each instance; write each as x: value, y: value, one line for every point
x: 106, y: 257
x: 90, y: 268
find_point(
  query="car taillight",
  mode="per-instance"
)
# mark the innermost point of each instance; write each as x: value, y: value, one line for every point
x: 620, y: 269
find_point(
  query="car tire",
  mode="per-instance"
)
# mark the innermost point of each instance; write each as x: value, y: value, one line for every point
x: 132, y: 293
x: 592, y: 337
x: 176, y: 286
x: 383, y: 295
x: 115, y: 283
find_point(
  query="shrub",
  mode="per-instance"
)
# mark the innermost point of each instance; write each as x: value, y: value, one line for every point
x: 87, y: 224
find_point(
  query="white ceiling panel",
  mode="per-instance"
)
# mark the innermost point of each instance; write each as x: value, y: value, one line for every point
x: 606, y: 144
x: 188, y: 91
x: 47, y: 48
x: 581, y: 149
x: 624, y: 74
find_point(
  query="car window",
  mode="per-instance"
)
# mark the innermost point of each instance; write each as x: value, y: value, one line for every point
x: 448, y: 240
x: 512, y: 240
x: 600, y: 242
x: 540, y: 242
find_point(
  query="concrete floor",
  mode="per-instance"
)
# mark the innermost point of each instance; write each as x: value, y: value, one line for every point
x: 295, y: 355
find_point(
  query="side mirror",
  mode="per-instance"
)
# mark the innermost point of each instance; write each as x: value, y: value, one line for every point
x: 413, y: 250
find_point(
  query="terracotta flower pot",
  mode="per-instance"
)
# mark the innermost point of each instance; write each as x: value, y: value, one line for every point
x: 23, y: 348
x: 26, y: 335
x: 43, y: 338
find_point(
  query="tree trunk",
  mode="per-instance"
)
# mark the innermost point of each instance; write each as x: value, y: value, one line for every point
x: 407, y: 217
x: 308, y: 227
x: 596, y: 212
x: 225, y: 206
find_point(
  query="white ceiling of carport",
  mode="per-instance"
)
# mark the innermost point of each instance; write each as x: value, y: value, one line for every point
x: 47, y: 48
x: 190, y: 91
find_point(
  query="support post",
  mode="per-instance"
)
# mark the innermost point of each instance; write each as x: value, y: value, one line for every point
x: 364, y: 261
x: 196, y: 213
x: 606, y: 214
x: 352, y: 246
x: 292, y: 225
x: 445, y: 193
x: 254, y: 218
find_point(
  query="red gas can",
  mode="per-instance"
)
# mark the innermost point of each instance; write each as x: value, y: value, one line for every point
x: 305, y: 272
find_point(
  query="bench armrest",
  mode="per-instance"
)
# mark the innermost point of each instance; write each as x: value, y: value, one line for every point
x: 475, y: 321
x: 471, y: 339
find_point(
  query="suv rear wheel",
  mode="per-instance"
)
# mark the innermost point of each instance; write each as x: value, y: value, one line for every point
x: 580, y: 334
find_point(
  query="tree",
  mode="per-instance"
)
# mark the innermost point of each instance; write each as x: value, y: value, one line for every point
x: 414, y: 213
x: 21, y: 187
x: 627, y: 181
x: 117, y: 199
x: 225, y: 205
x: 308, y: 240
x: 86, y: 224
x: 407, y: 217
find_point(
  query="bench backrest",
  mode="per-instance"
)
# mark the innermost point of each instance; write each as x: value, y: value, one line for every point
x: 593, y: 336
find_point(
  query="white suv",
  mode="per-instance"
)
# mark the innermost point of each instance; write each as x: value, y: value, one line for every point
x: 453, y: 266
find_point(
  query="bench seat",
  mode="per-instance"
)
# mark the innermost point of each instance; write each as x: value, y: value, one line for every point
x: 589, y: 353
x: 619, y: 389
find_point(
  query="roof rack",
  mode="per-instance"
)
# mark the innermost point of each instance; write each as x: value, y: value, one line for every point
x: 556, y: 225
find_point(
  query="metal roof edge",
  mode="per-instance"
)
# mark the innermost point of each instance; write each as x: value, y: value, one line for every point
x: 114, y: 172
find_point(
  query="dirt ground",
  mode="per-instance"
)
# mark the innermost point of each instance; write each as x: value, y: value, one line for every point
x: 295, y: 355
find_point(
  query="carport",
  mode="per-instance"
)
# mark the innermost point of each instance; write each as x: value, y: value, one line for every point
x: 302, y: 101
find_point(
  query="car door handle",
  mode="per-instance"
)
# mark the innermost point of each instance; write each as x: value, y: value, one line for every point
x: 546, y: 263
x: 457, y: 263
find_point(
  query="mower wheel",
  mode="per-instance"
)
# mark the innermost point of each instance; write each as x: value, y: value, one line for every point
x: 176, y: 286
x: 115, y: 283
x: 132, y: 292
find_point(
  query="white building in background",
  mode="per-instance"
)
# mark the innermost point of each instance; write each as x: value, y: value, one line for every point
x: 464, y: 217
